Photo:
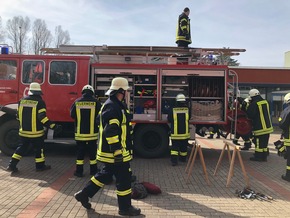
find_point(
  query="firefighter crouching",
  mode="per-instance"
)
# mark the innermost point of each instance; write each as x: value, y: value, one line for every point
x: 112, y: 151
x: 284, y: 124
x: 32, y: 117
x: 258, y: 111
x: 84, y: 111
x: 179, y: 117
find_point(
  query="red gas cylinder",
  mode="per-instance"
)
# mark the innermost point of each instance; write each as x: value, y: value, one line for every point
x: 244, y: 125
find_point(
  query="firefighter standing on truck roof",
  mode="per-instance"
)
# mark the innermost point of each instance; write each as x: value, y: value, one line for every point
x: 183, y: 35
x: 32, y: 118
x: 179, y: 117
x: 84, y: 111
x: 284, y: 124
x: 112, y: 151
x: 258, y: 112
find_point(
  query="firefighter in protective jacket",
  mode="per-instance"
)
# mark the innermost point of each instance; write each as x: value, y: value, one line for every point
x: 112, y: 151
x: 258, y: 111
x: 183, y: 35
x: 85, y: 111
x: 179, y: 119
x: 284, y: 124
x: 32, y: 118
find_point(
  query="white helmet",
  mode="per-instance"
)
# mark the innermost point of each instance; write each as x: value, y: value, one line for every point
x: 180, y: 97
x: 254, y: 92
x: 287, y: 98
x: 34, y: 89
x: 87, y: 88
x: 117, y: 84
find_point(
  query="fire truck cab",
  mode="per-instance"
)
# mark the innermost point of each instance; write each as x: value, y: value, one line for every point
x: 155, y: 74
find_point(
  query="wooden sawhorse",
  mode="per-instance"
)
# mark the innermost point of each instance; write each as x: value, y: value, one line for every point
x: 195, y: 149
x: 232, y: 162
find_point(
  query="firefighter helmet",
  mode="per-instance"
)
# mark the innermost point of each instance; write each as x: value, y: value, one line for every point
x: 180, y: 97
x: 287, y: 98
x: 118, y: 83
x: 254, y: 92
x: 88, y: 89
x: 34, y: 89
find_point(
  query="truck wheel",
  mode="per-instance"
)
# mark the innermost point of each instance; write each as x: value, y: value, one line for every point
x: 151, y: 141
x: 9, y: 138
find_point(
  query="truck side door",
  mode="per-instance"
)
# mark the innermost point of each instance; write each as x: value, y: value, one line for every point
x: 8, y: 81
x: 62, y: 89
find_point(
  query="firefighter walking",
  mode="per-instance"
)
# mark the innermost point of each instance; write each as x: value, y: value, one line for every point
x: 284, y: 124
x: 258, y: 111
x: 112, y: 151
x: 179, y: 119
x: 84, y: 111
x: 32, y: 119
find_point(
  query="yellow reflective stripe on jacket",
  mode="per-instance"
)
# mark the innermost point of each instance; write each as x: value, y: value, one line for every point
x: 265, y: 129
x: 112, y: 140
x: 109, y: 157
x: 114, y: 121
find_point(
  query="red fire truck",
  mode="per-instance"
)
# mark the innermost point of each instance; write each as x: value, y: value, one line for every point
x: 155, y: 74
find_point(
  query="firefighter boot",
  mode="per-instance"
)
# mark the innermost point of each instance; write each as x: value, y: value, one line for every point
x: 174, y: 160
x: 286, y: 177
x: 260, y: 157
x: 247, y: 146
x: 125, y: 207
x: 82, y: 197
x: 12, y: 166
x: 93, y: 169
x: 79, y: 171
x: 43, y: 168
x: 131, y: 211
x: 182, y: 159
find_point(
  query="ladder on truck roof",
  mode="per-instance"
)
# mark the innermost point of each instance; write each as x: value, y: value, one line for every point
x: 144, y: 54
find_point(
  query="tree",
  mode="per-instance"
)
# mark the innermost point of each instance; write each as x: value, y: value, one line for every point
x: 17, y: 30
x: 2, y: 33
x: 226, y: 59
x: 41, y: 36
x: 61, y: 37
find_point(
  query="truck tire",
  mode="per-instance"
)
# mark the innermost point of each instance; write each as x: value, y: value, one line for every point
x: 151, y: 141
x: 9, y: 138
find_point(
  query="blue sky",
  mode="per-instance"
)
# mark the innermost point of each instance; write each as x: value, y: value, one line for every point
x: 259, y: 26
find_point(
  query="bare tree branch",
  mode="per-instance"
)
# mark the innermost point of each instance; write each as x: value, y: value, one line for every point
x: 2, y: 33
x: 61, y: 37
x: 17, y: 30
x: 41, y: 36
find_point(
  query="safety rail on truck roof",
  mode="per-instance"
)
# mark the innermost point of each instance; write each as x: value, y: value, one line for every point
x: 146, y: 54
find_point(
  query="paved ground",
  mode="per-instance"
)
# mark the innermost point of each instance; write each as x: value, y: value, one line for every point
x: 50, y: 194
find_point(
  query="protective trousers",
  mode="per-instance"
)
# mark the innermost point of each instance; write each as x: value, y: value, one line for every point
x: 288, y: 162
x: 91, y: 148
x: 121, y: 171
x: 178, y: 149
x: 261, y: 146
x: 23, y: 148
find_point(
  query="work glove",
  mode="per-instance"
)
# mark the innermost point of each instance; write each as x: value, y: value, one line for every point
x: 118, y: 157
x: 57, y: 129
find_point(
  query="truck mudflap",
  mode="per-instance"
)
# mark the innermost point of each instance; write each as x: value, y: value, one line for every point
x: 8, y: 110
